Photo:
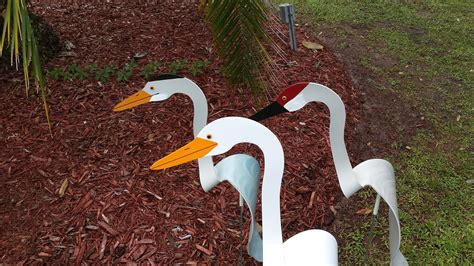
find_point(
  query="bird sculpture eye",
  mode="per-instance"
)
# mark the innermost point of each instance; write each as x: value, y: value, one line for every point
x: 209, y: 136
x: 283, y: 98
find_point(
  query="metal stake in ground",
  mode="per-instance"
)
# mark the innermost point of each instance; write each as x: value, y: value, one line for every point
x: 373, y: 223
x: 287, y: 16
x: 241, y: 221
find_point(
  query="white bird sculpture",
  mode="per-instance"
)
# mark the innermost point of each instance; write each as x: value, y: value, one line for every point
x: 240, y: 170
x: 311, y: 247
x: 377, y: 173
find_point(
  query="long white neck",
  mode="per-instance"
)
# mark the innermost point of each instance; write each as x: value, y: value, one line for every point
x: 271, y: 221
x: 345, y: 174
x: 198, y: 98
x: 242, y: 130
x: 207, y: 174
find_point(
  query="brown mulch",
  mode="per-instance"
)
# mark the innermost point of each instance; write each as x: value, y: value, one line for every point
x: 114, y: 209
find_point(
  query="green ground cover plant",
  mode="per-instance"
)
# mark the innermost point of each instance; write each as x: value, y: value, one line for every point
x: 127, y: 71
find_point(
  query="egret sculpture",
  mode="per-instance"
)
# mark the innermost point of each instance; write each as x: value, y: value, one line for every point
x: 240, y: 170
x: 377, y: 173
x: 314, y: 246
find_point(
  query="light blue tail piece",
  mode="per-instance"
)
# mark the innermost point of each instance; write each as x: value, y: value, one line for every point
x: 243, y: 173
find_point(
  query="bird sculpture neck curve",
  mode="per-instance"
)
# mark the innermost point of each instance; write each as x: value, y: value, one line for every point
x: 319, y: 93
x: 207, y: 174
x: 377, y: 173
x: 193, y: 91
x: 242, y: 130
x: 271, y: 187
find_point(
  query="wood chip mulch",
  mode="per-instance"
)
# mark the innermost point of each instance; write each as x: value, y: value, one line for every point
x: 112, y: 208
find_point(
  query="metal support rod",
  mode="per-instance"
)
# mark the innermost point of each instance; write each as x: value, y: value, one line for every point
x: 373, y: 224
x: 291, y: 27
x: 376, y: 205
x: 287, y: 16
x: 241, y: 222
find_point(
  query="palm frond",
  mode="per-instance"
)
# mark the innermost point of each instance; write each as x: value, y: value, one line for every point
x: 239, y: 31
x: 18, y: 32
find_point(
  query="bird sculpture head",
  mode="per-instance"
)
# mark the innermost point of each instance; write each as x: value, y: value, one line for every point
x: 212, y: 140
x: 290, y: 99
x: 160, y: 89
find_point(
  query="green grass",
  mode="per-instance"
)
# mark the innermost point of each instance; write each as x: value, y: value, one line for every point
x: 431, y: 44
x: 435, y: 202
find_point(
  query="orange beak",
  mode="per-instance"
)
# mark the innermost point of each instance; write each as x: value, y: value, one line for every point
x: 195, y: 149
x: 136, y: 99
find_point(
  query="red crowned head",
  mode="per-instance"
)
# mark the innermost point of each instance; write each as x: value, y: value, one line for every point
x: 278, y: 106
x: 290, y: 92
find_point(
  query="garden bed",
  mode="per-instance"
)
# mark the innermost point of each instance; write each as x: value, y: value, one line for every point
x: 114, y: 208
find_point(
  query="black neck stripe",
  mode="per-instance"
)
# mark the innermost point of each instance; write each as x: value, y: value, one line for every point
x: 157, y: 77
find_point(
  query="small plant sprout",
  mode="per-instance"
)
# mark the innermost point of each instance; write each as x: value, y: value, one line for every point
x: 150, y: 69
x: 104, y: 74
x: 197, y: 67
x: 91, y: 69
x: 126, y: 72
x: 56, y: 73
x: 177, y: 65
x: 76, y: 72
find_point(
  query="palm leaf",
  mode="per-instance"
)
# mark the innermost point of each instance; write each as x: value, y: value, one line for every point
x: 17, y: 31
x: 239, y: 31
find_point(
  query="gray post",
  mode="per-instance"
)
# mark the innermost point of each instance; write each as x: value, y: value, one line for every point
x: 287, y: 16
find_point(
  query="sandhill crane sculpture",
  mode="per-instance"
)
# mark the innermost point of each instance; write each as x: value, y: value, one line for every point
x: 377, y: 173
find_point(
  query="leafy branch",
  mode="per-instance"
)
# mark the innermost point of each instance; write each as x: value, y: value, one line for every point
x: 238, y: 27
x: 17, y: 32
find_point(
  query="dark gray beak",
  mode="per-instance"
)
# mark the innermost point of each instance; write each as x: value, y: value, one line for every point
x: 271, y: 110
